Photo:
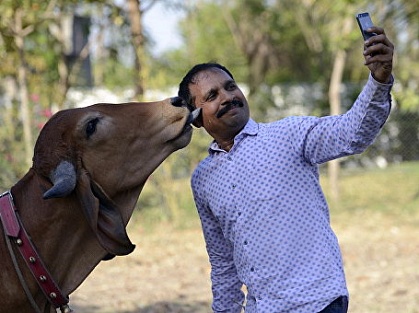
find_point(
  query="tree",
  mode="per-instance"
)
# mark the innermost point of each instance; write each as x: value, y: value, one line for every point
x: 14, y: 25
x: 41, y: 68
x: 309, y: 15
x: 137, y: 38
x: 303, y: 41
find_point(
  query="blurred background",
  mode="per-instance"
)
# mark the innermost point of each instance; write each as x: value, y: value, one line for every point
x: 291, y: 57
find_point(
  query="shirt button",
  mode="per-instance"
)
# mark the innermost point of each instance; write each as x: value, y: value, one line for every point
x: 233, y: 186
x: 245, y: 242
x: 252, y: 269
x: 229, y: 158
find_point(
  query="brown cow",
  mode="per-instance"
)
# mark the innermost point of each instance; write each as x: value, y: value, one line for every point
x: 89, y: 167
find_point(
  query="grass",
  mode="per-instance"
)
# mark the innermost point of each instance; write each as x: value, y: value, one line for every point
x: 392, y: 191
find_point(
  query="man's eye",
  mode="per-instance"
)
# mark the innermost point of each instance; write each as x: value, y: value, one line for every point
x: 211, y: 97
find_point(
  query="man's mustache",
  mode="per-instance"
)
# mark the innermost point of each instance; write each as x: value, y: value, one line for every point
x: 228, y: 106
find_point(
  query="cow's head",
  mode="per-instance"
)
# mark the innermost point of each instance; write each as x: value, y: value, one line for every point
x: 103, y: 154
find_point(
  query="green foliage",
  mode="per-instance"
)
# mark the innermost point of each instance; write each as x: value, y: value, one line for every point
x: 12, y: 163
x: 207, y: 38
x: 263, y: 43
x: 408, y: 99
x: 299, y: 40
x: 115, y: 74
x: 8, y: 176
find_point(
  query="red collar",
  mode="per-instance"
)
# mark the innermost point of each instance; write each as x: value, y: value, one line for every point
x: 17, y: 234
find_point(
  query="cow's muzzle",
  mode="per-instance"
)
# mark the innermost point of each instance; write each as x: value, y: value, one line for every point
x: 179, y: 102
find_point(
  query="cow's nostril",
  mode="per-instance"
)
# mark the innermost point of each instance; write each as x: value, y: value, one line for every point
x: 178, y: 102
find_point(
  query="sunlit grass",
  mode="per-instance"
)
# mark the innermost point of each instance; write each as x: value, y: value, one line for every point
x: 392, y: 191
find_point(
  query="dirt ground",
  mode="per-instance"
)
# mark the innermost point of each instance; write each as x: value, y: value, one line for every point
x: 169, y: 272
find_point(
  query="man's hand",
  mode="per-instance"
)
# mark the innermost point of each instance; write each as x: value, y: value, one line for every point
x: 378, y: 53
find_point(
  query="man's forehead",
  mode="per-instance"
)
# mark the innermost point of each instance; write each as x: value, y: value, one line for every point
x: 206, y: 75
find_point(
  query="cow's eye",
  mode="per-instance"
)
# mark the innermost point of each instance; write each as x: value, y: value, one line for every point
x: 91, y: 127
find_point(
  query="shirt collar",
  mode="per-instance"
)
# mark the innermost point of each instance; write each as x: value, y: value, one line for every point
x: 250, y: 129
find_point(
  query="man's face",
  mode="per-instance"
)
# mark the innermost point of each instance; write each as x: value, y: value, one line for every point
x: 225, y: 110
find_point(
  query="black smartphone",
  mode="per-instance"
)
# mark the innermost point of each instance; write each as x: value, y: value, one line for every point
x: 365, y: 22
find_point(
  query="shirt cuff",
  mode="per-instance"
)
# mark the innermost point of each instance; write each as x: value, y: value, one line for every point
x: 377, y: 83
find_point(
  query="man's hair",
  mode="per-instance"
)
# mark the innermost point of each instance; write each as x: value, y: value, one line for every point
x: 184, y: 92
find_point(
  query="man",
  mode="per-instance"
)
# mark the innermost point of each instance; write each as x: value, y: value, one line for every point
x: 264, y: 216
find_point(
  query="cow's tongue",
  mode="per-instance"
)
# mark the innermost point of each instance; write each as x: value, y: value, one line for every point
x: 194, y: 115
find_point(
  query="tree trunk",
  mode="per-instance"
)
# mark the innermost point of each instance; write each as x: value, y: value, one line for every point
x: 100, y: 52
x: 335, y: 108
x: 335, y: 104
x: 19, y: 35
x: 134, y: 13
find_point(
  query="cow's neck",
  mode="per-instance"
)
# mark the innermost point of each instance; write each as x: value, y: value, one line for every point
x: 59, y: 231
x: 127, y: 200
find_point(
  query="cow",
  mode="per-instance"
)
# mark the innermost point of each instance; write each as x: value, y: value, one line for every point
x: 89, y: 167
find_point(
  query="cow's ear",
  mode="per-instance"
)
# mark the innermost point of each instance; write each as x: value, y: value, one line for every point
x: 103, y: 216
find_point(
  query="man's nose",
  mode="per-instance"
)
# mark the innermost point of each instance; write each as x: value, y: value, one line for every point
x: 227, y: 97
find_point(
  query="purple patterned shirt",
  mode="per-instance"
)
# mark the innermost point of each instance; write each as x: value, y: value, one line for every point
x: 264, y: 216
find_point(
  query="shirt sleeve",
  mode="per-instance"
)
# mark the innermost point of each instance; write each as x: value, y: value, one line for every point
x: 226, y: 286
x: 326, y: 138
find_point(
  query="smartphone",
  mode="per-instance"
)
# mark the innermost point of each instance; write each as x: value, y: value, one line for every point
x: 364, y: 22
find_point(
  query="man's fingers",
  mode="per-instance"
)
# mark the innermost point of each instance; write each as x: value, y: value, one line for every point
x: 378, y: 39
x: 378, y: 53
x: 376, y: 59
x: 377, y: 30
x: 379, y: 50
